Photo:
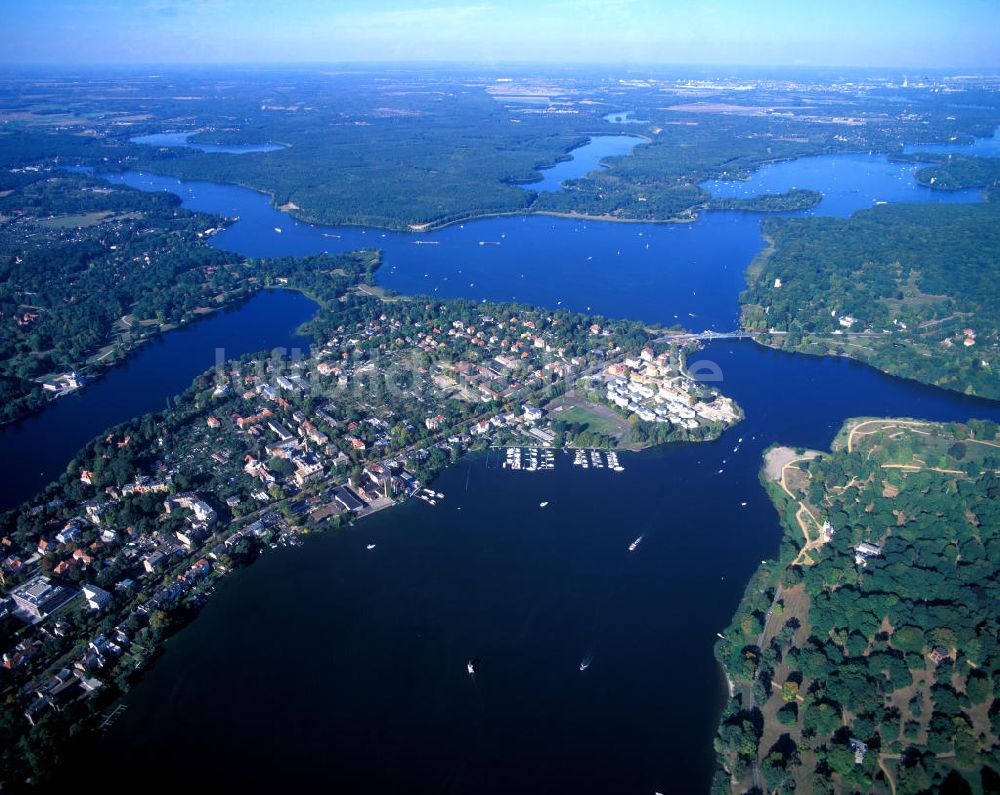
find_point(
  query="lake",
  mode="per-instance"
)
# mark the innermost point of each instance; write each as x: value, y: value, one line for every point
x: 36, y: 449
x: 181, y: 139
x: 344, y: 668
x: 583, y: 160
x: 848, y: 183
x: 979, y: 147
x: 623, y: 117
x: 659, y: 272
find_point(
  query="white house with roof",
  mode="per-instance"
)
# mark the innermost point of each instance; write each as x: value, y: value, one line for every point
x: 863, y: 551
x: 97, y: 598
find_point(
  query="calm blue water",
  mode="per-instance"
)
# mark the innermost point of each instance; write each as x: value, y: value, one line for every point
x: 181, y: 139
x: 848, y: 183
x: 585, y: 159
x: 344, y: 668
x: 980, y: 147
x: 853, y: 182
x: 623, y: 117
x: 36, y: 450
x: 670, y: 273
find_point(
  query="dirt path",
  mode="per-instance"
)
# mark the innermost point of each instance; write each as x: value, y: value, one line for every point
x: 881, y: 425
x: 888, y: 775
x: 777, y: 463
x: 776, y: 686
x: 811, y: 543
x: 915, y: 468
x: 777, y: 458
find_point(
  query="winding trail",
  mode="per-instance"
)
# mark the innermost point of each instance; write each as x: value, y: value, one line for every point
x: 881, y: 425
x: 810, y: 543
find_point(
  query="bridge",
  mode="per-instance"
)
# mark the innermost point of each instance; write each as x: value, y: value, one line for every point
x: 685, y: 336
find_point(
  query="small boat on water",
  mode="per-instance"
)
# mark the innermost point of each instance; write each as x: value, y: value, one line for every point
x: 277, y: 229
x: 634, y: 544
x: 370, y: 546
x: 471, y: 665
x: 542, y: 504
x: 585, y: 664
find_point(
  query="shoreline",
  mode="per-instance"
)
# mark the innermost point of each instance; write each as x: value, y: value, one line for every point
x: 758, y: 337
x: 96, y: 370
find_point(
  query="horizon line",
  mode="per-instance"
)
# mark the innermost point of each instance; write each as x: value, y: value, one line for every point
x: 978, y: 70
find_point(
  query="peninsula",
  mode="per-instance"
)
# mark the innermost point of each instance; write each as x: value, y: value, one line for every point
x: 865, y: 657
x: 123, y: 549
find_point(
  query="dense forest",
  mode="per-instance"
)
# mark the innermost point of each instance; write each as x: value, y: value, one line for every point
x: 954, y: 172
x: 895, y: 644
x: 433, y: 146
x: 794, y: 199
x: 910, y: 289
x: 88, y: 271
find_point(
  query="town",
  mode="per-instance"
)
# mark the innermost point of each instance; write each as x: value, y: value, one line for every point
x: 132, y: 540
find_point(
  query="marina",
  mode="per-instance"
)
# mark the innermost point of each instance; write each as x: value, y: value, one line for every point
x: 529, y: 459
x: 540, y: 459
x: 597, y: 459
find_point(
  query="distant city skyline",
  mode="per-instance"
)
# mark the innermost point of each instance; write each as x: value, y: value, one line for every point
x: 878, y: 33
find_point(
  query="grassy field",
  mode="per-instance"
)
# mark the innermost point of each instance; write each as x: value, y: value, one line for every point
x: 74, y: 221
x: 593, y: 422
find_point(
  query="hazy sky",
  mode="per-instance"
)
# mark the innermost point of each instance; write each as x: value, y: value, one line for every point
x: 921, y: 33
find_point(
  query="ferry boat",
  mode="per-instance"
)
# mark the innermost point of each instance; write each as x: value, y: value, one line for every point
x: 634, y: 544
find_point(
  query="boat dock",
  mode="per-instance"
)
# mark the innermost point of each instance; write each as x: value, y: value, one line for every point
x: 597, y: 459
x: 537, y: 459
x: 529, y: 459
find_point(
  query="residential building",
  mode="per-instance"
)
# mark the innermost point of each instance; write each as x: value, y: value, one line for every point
x: 97, y: 598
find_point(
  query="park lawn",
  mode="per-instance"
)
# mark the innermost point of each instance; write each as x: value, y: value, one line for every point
x: 594, y: 423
